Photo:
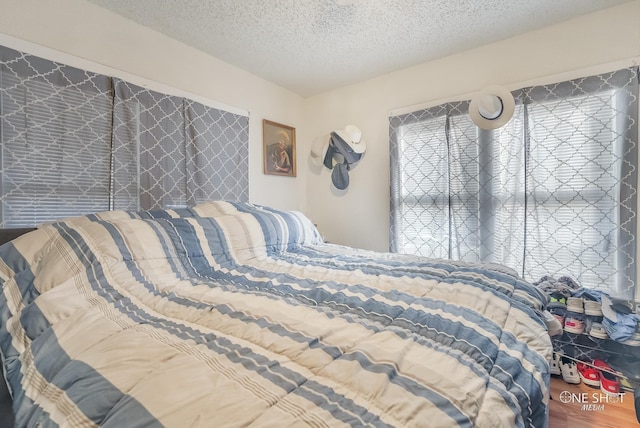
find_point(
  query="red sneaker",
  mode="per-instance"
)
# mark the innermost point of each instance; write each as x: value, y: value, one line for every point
x: 589, y: 375
x: 608, y: 381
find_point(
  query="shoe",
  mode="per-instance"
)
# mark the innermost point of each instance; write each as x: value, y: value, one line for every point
x: 626, y: 384
x: 554, y: 366
x: 608, y: 381
x: 558, y: 298
x: 569, y: 370
x: 575, y: 304
x: 633, y: 340
x: 556, y: 304
x: 554, y: 326
x: 588, y: 323
x: 558, y: 310
x: 560, y: 319
x: 628, y: 366
x: 573, y: 324
x: 588, y: 375
x: 636, y: 402
x: 592, y: 308
x: 598, y: 331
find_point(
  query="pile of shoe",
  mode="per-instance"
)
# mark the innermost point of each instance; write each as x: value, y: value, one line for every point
x: 597, y: 374
x: 578, y: 310
x: 578, y: 315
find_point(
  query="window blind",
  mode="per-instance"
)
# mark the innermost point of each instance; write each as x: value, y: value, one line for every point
x: 217, y: 158
x: 75, y: 142
x: 577, y: 187
x: 424, y: 214
x: 148, y: 149
x: 171, y: 152
x: 56, y: 140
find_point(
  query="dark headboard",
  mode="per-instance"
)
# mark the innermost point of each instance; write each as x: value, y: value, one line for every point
x: 7, y: 235
x: 6, y: 414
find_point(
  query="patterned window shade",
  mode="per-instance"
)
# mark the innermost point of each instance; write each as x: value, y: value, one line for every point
x: 217, y: 157
x: 56, y: 140
x: 149, y: 153
x: 551, y: 193
x: 75, y: 142
x: 171, y: 152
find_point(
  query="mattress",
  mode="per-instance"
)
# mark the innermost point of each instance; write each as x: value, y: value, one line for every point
x: 239, y: 315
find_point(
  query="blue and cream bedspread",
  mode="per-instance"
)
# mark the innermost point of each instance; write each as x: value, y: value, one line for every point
x: 236, y: 315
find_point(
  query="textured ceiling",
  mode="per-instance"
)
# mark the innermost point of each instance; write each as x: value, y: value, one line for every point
x: 311, y: 46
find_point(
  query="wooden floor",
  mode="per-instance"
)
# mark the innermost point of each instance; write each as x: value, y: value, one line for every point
x: 582, y: 406
x: 569, y: 414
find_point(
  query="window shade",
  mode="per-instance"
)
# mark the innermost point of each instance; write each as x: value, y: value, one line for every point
x: 149, y: 158
x: 56, y: 140
x: 217, y: 158
x: 172, y: 152
x: 72, y: 145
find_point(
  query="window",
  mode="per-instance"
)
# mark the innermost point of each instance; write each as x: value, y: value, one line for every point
x: 574, y: 174
x: 550, y: 193
x: 149, y: 149
x: 56, y: 142
x: 74, y: 142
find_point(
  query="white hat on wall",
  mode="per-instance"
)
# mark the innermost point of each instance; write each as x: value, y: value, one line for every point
x: 352, y: 135
x: 319, y: 148
x: 339, y: 152
x: 492, y: 108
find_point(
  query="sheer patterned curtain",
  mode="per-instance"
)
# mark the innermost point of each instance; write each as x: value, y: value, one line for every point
x: 551, y: 193
x: 582, y: 180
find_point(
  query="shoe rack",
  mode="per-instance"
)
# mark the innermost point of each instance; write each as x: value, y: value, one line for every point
x: 583, y: 348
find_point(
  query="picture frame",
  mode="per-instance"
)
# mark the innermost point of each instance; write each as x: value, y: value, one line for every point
x: 278, y: 148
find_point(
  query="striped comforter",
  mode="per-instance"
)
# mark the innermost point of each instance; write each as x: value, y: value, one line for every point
x: 236, y: 315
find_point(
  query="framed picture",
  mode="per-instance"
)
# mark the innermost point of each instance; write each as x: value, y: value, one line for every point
x: 278, y: 148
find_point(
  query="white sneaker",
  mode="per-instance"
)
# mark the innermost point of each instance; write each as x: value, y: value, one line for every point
x: 569, y: 371
x: 573, y: 325
x: 554, y: 366
x: 598, y: 331
x: 591, y: 307
x: 575, y: 304
x: 554, y: 326
x: 633, y: 340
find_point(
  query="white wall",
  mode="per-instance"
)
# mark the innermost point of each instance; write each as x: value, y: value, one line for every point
x: 81, y: 34
x: 359, y: 216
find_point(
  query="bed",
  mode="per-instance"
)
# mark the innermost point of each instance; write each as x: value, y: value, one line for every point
x: 239, y: 315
